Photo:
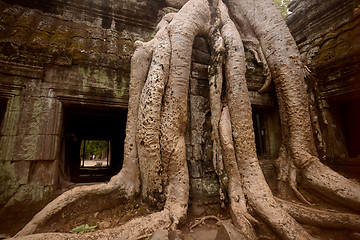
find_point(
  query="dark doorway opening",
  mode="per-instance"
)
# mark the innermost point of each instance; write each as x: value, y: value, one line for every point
x: 93, y: 142
x: 259, y: 130
x: 347, y: 113
x: 3, y: 104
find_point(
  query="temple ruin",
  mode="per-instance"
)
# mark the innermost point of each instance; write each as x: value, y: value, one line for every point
x: 64, y: 78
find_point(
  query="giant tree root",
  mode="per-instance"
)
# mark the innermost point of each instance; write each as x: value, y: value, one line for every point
x: 320, y: 218
x: 255, y: 187
x: 325, y: 181
x: 115, y: 192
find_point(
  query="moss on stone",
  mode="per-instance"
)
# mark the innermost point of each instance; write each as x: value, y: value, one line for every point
x: 126, y: 47
x: 120, y: 87
x: 101, y: 77
x: 8, y: 178
x: 59, y: 39
x: 84, y: 73
x: 29, y: 193
x: 36, y: 116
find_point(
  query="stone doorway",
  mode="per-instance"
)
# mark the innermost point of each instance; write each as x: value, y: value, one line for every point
x: 3, y: 103
x: 259, y: 130
x: 93, y: 143
x: 346, y: 112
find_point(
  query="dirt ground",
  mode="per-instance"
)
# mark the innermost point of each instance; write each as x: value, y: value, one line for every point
x: 111, y: 218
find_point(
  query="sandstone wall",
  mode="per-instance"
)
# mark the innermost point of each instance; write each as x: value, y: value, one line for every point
x: 55, y: 54
x: 328, y: 33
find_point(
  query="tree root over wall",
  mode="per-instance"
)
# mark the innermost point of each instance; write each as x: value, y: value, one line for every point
x: 155, y: 159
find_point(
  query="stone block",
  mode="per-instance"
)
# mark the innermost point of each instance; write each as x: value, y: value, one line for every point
x: 196, y: 169
x: 7, y: 147
x: 208, y: 154
x: 22, y: 170
x: 96, y: 33
x: 210, y: 187
x: 269, y: 170
x: 27, y: 195
x: 198, y: 107
x: 36, y: 147
x: 201, y: 44
x: 197, y: 152
x: 8, y: 179
x: 264, y: 99
x: 228, y: 231
x: 33, y: 111
x: 208, y: 167
x: 12, y: 115
x: 43, y: 172
x: 188, y: 151
x: 48, y: 147
x: 199, y: 87
x: 51, y: 118
x: 196, y: 187
x: 160, y: 234
x: 197, y: 208
x: 26, y: 147
x: 200, y: 57
x: 213, y: 208
x: 327, y: 14
x: 199, y: 71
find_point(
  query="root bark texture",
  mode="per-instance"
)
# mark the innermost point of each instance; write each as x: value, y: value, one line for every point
x: 148, y: 129
x: 321, y: 218
x: 155, y: 155
x: 202, y: 221
x: 298, y: 146
x: 255, y: 187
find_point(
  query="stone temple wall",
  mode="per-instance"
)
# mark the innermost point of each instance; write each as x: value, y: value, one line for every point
x: 328, y: 33
x: 57, y: 56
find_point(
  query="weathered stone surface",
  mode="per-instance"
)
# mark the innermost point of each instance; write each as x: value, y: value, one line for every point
x: 199, y: 71
x: 115, y: 15
x: 64, y: 42
x: 175, y: 235
x: 10, y: 185
x: 196, y: 169
x: 337, y: 61
x: 54, y: 54
x: 200, y: 52
x: 310, y: 18
x: 228, y: 231
x: 43, y: 173
x: 161, y: 234
x: 269, y: 170
x: 327, y: 34
x: 22, y: 171
x: 328, y: 44
x: 27, y: 200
